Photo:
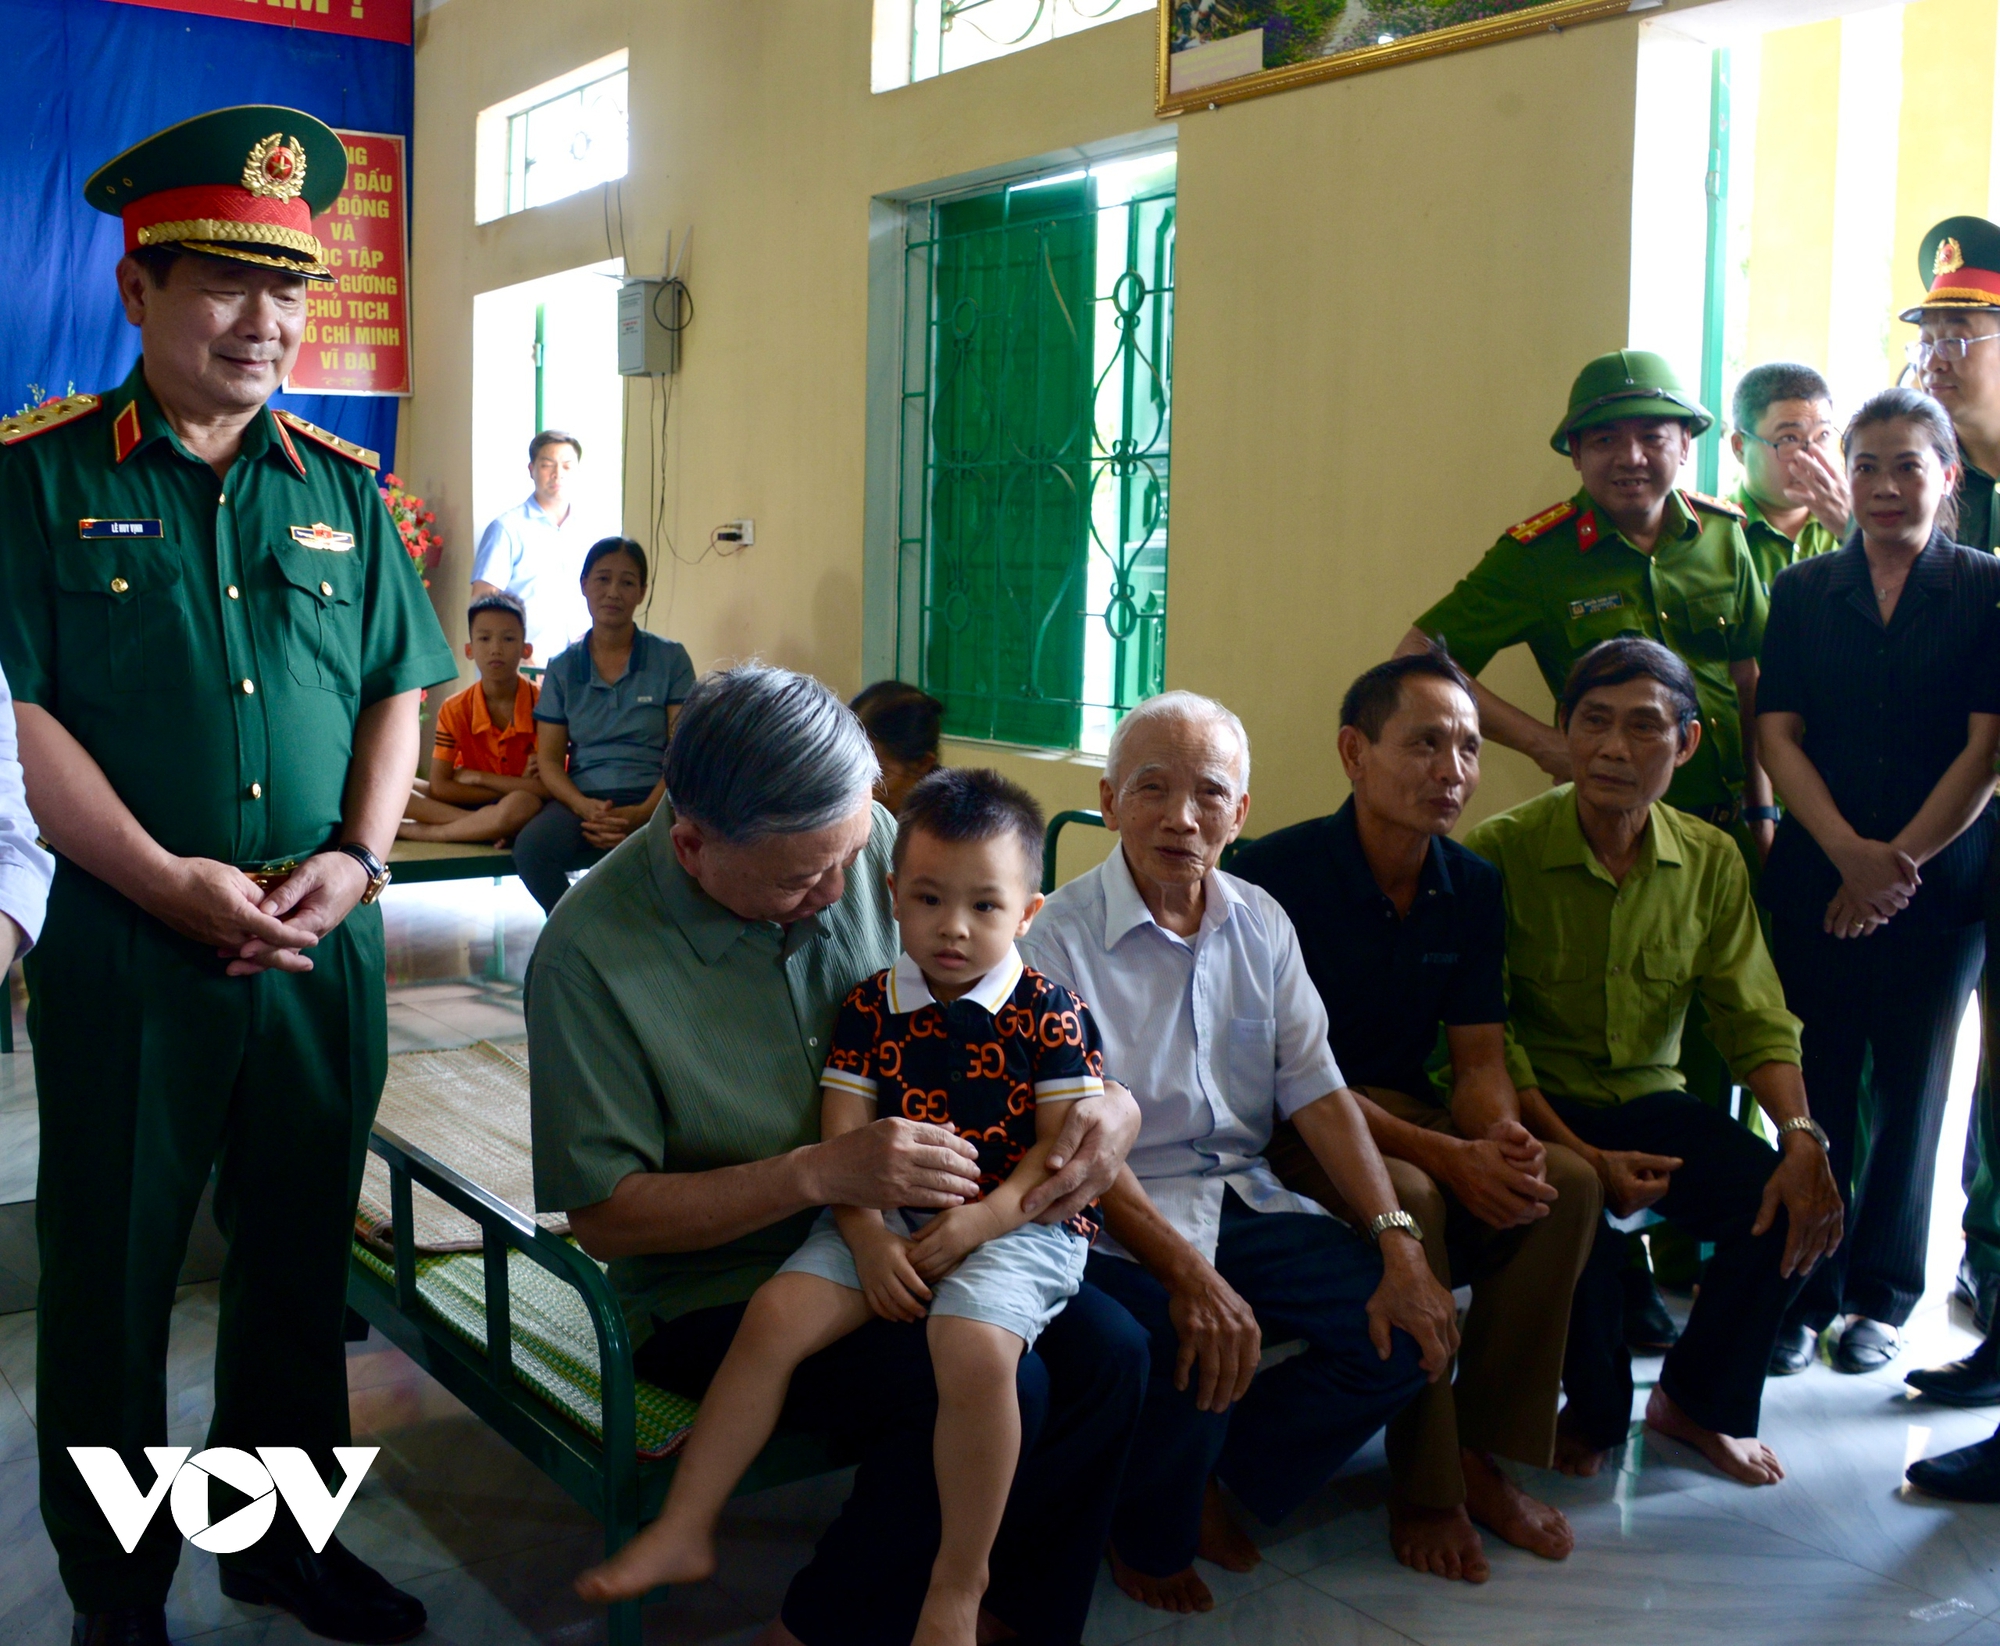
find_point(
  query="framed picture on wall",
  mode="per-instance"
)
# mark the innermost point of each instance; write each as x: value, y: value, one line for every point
x: 1220, y: 51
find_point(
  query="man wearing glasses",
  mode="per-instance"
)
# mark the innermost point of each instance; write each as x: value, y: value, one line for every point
x: 1794, y: 491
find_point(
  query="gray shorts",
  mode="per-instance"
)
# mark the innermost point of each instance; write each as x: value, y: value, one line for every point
x: 1018, y: 1282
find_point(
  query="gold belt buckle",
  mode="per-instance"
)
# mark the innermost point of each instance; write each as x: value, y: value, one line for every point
x: 272, y: 876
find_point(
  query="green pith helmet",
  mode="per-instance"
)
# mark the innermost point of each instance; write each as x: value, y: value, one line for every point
x: 243, y: 183
x: 1960, y: 265
x: 1627, y: 383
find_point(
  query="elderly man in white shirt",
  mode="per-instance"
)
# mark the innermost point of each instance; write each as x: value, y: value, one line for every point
x: 1209, y: 1017
x: 25, y: 869
x: 534, y: 551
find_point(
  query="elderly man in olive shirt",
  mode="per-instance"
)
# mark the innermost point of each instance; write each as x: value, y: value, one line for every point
x: 1620, y: 910
x: 679, y: 1010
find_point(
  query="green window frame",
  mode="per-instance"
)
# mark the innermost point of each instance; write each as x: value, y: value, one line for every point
x: 1036, y: 412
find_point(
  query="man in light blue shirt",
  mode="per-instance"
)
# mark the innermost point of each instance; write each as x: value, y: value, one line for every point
x: 25, y: 869
x: 1211, y: 1020
x: 534, y: 551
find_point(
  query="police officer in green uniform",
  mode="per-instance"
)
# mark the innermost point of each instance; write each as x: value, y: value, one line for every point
x: 1629, y: 554
x: 1957, y: 359
x: 1794, y: 491
x: 216, y: 642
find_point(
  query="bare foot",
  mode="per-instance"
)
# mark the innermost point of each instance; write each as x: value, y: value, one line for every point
x: 950, y: 1618
x: 1183, y: 1592
x: 411, y: 829
x: 1575, y: 1456
x: 1223, y: 1540
x: 1442, y: 1542
x: 1746, y: 1459
x: 1496, y: 1503
x: 659, y: 1554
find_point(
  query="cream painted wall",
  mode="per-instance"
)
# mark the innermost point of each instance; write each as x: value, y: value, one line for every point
x: 1385, y: 286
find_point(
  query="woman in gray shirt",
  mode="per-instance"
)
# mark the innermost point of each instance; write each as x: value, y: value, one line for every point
x: 605, y: 713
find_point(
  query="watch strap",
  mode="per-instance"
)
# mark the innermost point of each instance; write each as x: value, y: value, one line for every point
x: 1394, y: 1220
x: 371, y: 865
x: 1804, y: 1123
x: 1762, y: 814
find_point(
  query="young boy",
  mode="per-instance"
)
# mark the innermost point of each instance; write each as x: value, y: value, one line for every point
x: 957, y: 1033
x: 483, y: 785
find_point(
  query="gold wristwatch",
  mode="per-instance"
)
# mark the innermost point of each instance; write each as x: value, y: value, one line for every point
x: 371, y: 865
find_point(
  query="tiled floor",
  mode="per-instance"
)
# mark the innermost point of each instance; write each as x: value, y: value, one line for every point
x: 1668, y: 1553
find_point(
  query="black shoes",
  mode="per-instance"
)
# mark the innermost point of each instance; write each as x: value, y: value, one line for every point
x: 1796, y: 1349
x: 1969, y: 1475
x: 1866, y: 1346
x: 129, y: 1626
x: 1973, y: 1381
x: 332, y: 1593
x: 1649, y: 1329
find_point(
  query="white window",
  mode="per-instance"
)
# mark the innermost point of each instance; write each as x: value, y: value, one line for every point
x: 552, y: 140
x: 916, y: 39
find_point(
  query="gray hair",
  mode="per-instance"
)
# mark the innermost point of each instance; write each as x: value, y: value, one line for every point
x: 761, y: 751
x: 1187, y: 707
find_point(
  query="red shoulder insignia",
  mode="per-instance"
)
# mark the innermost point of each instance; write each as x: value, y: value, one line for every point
x: 1714, y: 505
x: 1586, y: 531
x: 52, y: 414
x: 125, y: 432
x: 333, y: 443
x: 1530, y: 529
x: 291, y: 451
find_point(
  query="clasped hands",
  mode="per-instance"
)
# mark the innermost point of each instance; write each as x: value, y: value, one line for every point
x: 256, y: 930
x: 1877, y: 881
x: 606, y: 825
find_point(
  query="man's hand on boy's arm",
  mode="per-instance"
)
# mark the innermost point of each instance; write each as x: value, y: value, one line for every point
x: 1089, y: 1153
x: 1220, y: 1340
x: 950, y: 1237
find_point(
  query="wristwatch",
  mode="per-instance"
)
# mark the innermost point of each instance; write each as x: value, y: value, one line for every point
x: 1393, y: 1220
x: 371, y: 865
x: 1803, y: 1123
x: 1762, y: 814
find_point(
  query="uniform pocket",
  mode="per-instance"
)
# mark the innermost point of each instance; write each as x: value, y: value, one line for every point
x: 322, y: 617
x: 1253, y: 1054
x: 1711, y: 621
x: 1666, y: 972
x: 122, y: 602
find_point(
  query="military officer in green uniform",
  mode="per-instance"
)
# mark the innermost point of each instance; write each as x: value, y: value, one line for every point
x: 1957, y: 359
x: 216, y: 642
x: 1794, y: 492
x: 1630, y: 553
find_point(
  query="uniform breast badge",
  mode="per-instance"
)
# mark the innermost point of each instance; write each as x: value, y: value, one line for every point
x: 319, y: 535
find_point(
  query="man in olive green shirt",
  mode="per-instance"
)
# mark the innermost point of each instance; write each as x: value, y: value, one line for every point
x: 680, y: 1005
x: 1794, y: 492
x: 1620, y: 910
x: 216, y: 641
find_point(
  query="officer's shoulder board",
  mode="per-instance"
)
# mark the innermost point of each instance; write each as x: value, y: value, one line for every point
x: 1715, y: 505
x: 1538, y: 525
x: 25, y: 425
x: 333, y: 443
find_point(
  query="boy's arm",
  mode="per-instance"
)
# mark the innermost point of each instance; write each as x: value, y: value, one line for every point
x: 445, y: 785
x: 941, y: 1244
x: 889, y: 1280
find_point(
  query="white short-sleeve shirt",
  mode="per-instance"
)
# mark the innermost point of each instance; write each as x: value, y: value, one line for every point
x: 1217, y: 1038
x: 529, y: 553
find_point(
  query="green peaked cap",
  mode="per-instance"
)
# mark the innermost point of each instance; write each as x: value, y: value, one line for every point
x: 1959, y: 264
x: 1627, y: 383
x: 212, y: 148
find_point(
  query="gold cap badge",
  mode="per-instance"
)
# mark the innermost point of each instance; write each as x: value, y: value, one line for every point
x: 1948, y: 258
x: 276, y: 169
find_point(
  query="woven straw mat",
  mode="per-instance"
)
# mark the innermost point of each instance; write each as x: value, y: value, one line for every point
x: 468, y: 1108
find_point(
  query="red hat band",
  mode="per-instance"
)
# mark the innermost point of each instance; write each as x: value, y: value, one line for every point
x: 224, y: 212
x: 1966, y: 285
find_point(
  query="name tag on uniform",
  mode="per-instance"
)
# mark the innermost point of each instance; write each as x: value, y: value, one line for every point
x: 118, y: 528
x: 1599, y: 603
x: 319, y: 535
x: 646, y: 699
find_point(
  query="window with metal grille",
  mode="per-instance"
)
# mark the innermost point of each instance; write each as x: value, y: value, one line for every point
x: 553, y: 140
x: 1036, y: 411
x: 938, y: 36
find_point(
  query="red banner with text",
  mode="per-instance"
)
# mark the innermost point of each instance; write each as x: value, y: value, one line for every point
x: 358, y: 329
x: 371, y: 19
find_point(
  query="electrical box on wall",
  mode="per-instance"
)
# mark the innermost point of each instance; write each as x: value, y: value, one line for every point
x: 651, y: 316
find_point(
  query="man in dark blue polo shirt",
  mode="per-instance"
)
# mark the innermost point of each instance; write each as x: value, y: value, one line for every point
x: 1403, y: 932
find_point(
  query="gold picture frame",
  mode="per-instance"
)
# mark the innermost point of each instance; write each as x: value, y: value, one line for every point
x: 1205, y: 26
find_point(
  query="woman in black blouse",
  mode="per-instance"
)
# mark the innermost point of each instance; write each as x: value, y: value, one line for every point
x: 1878, y: 717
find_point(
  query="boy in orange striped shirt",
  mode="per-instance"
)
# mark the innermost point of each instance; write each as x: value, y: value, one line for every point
x: 483, y: 785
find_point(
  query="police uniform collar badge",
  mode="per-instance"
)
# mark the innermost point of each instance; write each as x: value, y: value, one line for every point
x: 242, y: 184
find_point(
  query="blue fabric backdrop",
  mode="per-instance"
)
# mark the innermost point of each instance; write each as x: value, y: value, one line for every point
x: 82, y: 80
